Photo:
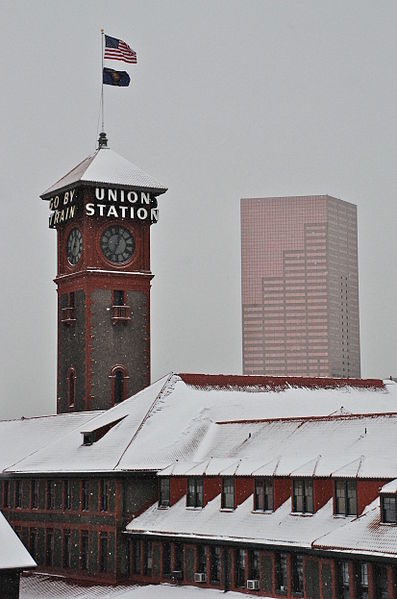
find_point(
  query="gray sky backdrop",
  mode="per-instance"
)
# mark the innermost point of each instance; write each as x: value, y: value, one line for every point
x: 229, y: 99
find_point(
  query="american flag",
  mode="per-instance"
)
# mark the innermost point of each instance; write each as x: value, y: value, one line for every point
x: 118, y: 50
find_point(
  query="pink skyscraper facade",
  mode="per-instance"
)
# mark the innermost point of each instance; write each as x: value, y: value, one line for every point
x: 299, y: 279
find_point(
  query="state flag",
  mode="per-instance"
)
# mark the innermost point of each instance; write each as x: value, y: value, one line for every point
x: 119, y: 78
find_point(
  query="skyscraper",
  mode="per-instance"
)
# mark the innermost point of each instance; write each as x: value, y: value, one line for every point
x: 299, y: 278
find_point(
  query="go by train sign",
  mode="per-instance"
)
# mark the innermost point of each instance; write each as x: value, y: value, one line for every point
x: 105, y: 203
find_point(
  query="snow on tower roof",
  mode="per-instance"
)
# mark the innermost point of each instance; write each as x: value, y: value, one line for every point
x: 13, y: 554
x: 218, y: 426
x: 106, y: 167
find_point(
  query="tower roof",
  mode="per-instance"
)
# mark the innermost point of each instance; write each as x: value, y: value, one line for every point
x: 106, y: 167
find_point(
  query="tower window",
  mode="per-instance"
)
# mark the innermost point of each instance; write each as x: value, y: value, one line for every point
x: 71, y: 387
x: 118, y: 376
x: 120, y: 311
x: 68, y: 316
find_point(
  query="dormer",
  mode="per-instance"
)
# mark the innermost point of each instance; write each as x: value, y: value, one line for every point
x: 388, y: 503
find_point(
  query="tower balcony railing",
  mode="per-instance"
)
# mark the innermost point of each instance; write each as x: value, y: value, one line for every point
x: 68, y: 315
x: 121, y: 314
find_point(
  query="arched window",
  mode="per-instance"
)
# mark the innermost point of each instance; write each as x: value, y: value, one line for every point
x: 118, y: 376
x: 71, y: 387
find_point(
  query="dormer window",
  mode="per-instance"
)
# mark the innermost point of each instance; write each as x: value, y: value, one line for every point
x: 164, y: 488
x: 346, y: 497
x: 263, y: 496
x: 389, y: 509
x: 302, y: 499
x: 194, y: 497
x: 227, y: 493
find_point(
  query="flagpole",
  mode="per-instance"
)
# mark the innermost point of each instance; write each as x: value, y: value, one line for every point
x: 103, y: 108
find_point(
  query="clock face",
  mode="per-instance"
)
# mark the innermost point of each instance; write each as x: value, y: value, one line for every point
x: 74, y: 246
x: 117, y: 244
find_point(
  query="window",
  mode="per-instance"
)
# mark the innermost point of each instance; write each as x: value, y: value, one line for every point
x: 297, y: 574
x: 68, y: 312
x: 303, y: 495
x: 120, y: 311
x: 71, y: 387
x: 281, y: 572
x: 84, y: 550
x: 50, y: 495
x: 361, y: 576
x: 33, y: 543
x: 389, y: 509
x: 215, y: 564
x: 239, y: 570
x: 381, y: 582
x: 166, y: 559
x: 202, y: 558
x: 343, y: 580
x: 227, y: 493
x: 118, y: 297
x: 136, y: 556
x: 34, y: 494
x: 164, y: 500
x: 66, y: 549
x: 67, y: 495
x: 103, y: 552
x: 6, y: 493
x: 253, y: 558
x: 49, y: 547
x: 85, y: 497
x: 346, y: 497
x: 148, y: 558
x: 104, y: 495
x: 178, y: 557
x: 263, y: 496
x: 118, y: 376
x: 194, y: 496
x: 18, y: 493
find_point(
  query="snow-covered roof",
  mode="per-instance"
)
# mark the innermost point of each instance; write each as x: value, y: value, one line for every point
x: 365, y: 535
x: 107, y: 167
x: 199, y: 423
x: 280, y: 527
x: 390, y: 487
x: 13, y: 554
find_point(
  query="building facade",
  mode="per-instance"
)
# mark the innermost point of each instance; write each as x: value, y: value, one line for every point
x: 299, y: 280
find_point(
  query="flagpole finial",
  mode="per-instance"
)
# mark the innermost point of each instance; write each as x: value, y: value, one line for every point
x: 102, y: 141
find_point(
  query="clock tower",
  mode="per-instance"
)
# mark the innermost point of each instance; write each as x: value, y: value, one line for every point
x: 102, y: 211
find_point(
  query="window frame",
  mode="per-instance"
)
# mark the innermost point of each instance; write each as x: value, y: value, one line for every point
x: 104, y: 491
x: 227, y: 496
x: 194, y: 498
x: 345, y: 498
x: 384, y: 497
x: 267, y: 497
x: 18, y: 494
x: 215, y: 564
x: 307, y: 505
x: 297, y: 578
x: 71, y: 386
x: 281, y: 571
x: 164, y: 491
x: 121, y: 393
x: 240, y: 555
x: 34, y: 494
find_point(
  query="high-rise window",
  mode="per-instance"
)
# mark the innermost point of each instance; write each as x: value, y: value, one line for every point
x: 346, y: 497
x: 164, y: 499
x: 228, y: 492
x: 263, y: 497
x: 194, y: 496
x: 302, y: 495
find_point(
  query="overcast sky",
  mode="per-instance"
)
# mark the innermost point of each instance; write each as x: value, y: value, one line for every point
x: 229, y: 99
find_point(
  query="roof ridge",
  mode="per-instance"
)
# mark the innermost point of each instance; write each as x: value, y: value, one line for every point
x: 328, y: 417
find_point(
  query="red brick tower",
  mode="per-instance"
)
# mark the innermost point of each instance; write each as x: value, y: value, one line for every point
x: 102, y: 211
